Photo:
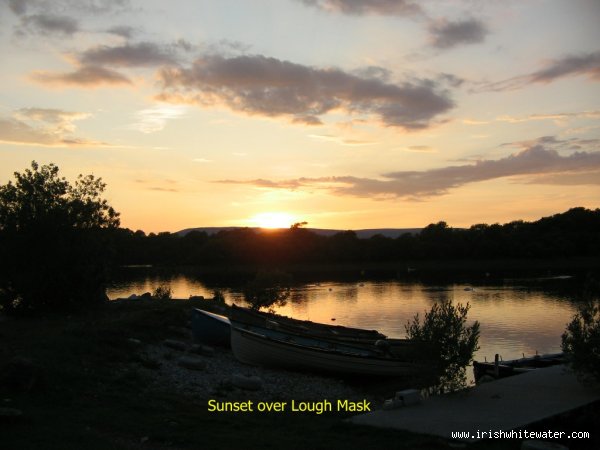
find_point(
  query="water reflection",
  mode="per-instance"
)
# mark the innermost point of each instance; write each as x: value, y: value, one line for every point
x: 515, y: 319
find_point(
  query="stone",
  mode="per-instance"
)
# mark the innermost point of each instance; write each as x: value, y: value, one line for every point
x: 180, y: 331
x: 392, y: 403
x: 408, y: 397
x: 251, y: 383
x: 192, y: 362
x: 176, y: 345
x: 204, y: 350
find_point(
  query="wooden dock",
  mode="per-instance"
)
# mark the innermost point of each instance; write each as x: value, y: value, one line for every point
x: 506, y: 404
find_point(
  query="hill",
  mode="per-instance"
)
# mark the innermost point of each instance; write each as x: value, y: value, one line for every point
x: 361, y: 234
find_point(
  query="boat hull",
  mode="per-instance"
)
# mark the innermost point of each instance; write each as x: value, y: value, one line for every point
x: 210, y: 328
x: 255, y: 346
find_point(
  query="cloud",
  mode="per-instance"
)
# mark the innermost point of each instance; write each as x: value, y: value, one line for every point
x: 420, y: 149
x: 60, y: 121
x: 571, y: 65
x: 44, y: 127
x: 21, y: 7
x: 340, y: 140
x: 50, y: 24
x: 47, y: 17
x: 363, y: 7
x: 558, y: 117
x: 445, y: 34
x: 18, y: 7
x: 87, y: 76
x: 537, y: 162
x: 258, y: 85
x: 122, y: 30
x: 154, y: 119
x: 144, y: 54
x: 164, y: 185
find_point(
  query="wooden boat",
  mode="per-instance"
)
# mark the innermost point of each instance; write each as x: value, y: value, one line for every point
x: 274, y: 348
x: 210, y: 328
x: 277, y: 322
x: 357, y: 337
x: 484, y: 371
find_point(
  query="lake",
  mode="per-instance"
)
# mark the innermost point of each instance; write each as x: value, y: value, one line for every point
x: 517, y: 315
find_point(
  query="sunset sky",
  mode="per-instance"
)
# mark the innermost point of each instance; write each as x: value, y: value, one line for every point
x: 345, y: 114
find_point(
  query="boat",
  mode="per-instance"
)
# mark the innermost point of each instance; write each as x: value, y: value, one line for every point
x: 486, y: 371
x: 282, y: 323
x: 261, y: 346
x: 357, y: 337
x: 210, y: 328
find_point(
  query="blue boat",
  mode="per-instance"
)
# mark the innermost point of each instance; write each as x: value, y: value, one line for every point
x: 210, y: 328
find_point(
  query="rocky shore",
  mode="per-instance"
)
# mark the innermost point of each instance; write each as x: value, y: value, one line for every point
x: 207, y: 373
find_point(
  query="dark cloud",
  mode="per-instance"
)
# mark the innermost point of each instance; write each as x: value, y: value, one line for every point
x: 122, y: 30
x: 570, y: 65
x: 58, y: 17
x: 18, y: 7
x: 362, y: 7
x: 144, y: 54
x: 49, y: 24
x: 537, y: 162
x: 445, y: 34
x: 87, y: 76
x: 272, y: 87
x: 380, y: 73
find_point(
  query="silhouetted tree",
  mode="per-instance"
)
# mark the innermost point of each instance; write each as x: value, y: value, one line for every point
x: 454, y: 343
x: 268, y: 289
x: 53, y: 240
x: 581, y: 339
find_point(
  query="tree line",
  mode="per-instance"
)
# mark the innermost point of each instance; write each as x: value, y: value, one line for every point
x: 574, y: 233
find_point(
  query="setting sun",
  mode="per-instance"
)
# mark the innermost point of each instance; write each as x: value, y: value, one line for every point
x: 272, y: 220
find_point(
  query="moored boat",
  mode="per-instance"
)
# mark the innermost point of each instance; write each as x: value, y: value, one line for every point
x: 275, y: 321
x: 210, y: 328
x: 262, y: 346
x: 484, y: 371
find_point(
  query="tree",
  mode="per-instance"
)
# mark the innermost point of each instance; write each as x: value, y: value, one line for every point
x: 268, y: 289
x: 581, y: 339
x: 54, y: 240
x: 454, y: 343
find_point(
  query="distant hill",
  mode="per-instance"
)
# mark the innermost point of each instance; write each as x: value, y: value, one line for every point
x: 362, y: 234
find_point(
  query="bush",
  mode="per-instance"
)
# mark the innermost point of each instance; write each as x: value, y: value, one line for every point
x: 453, y: 342
x: 162, y: 292
x: 218, y: 296
x: 54, y: 241
x: 268, y: 289
x: 581, y: 340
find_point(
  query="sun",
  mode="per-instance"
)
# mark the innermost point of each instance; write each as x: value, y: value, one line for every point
x: 273, y: 220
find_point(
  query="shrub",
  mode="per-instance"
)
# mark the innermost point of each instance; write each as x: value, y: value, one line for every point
x: 218, y: 296
x: 162, y: 292
x: 268, y: 289
x: 453, y: 342
x: 581, y: 340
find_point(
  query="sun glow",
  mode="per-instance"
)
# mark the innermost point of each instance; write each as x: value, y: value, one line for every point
x: 273, y: 220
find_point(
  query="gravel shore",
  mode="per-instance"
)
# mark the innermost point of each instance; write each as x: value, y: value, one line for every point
x: 216, y: 380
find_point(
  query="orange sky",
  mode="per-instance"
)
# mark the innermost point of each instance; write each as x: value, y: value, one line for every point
x: 341, y: 114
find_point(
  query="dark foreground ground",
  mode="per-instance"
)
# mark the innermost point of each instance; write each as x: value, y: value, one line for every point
x: 91, y: 388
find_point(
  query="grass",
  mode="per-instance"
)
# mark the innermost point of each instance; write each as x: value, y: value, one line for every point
x: 90, y: 396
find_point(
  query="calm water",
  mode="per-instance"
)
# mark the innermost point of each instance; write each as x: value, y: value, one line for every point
x: 519, y: 316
